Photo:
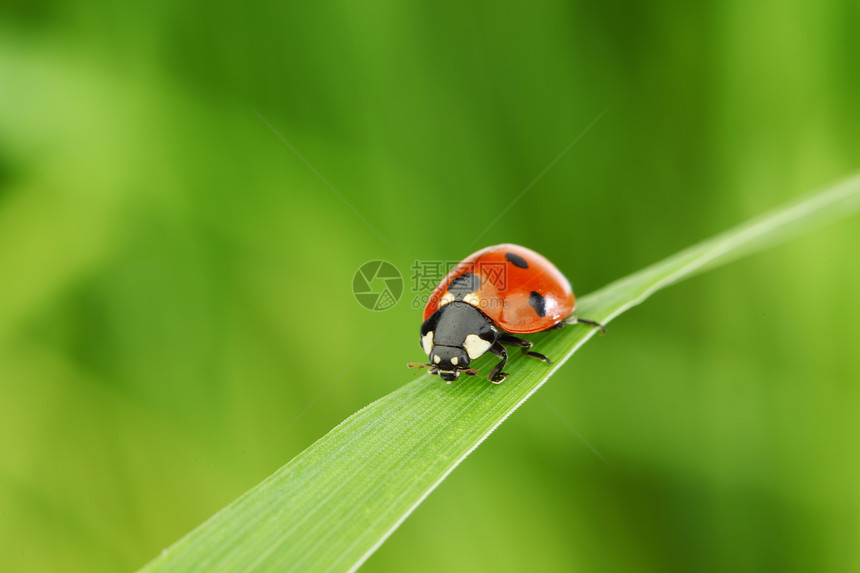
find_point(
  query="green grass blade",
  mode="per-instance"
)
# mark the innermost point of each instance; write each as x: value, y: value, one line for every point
x: 331, y: 506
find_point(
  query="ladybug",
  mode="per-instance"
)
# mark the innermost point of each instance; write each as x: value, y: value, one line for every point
x: 491, y: 295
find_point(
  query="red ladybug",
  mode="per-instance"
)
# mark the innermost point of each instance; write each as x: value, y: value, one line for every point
x: 491, y: 294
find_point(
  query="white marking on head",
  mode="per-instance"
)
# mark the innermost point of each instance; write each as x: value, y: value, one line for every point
x: 436, y: 359
x: 475, y: 346
x: 427, y: 342
x: 454, y: 360
x: 449, y: 297
x: 472, y: 299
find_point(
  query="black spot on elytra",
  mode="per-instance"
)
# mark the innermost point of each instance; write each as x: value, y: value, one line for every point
x: 464, y: 284
x: 517, y: 260
x: 538, y: 303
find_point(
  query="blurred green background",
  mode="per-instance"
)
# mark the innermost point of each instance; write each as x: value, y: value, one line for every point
x: 175, y: 282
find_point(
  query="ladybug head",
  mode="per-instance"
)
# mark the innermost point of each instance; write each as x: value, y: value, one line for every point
x: 449, y: 361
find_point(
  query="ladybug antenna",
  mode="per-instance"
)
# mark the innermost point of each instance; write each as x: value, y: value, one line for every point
x: 418, y: 364
x: 470, y: 371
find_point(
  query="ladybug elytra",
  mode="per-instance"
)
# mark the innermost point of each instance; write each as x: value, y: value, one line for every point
x: 491, y: 295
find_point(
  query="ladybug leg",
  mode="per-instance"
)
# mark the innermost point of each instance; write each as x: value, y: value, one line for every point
x: 575, y: 320
x: 496, y: 375
x: 524, y: 345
